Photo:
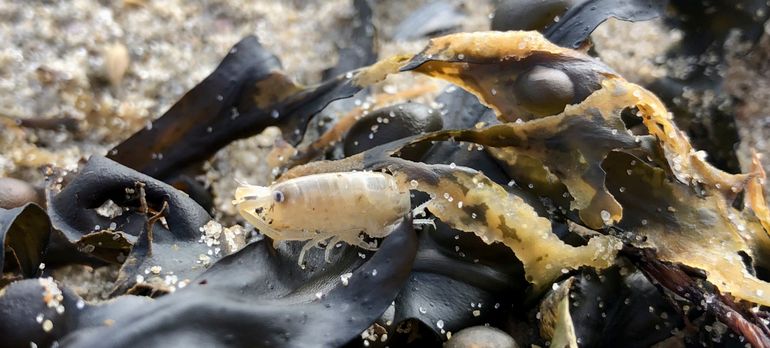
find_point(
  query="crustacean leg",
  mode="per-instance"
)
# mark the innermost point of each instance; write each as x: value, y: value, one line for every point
x: 366, y: 245
x: 423, y: 222
x: 420, y: 210
x: 310, y: 244
x: 329, y: 247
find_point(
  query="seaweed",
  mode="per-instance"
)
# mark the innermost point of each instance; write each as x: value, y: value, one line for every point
x: 24, y: 233
x: 579, y: 21
x: 489, y: 64
x: 257, y: 296
x: 609, y: 308
x: 675, y: 279
x: 582, y: 201
x: 244, y: 95
x: 457, y: 278
x: 135, y: 238
x: 598, y: 115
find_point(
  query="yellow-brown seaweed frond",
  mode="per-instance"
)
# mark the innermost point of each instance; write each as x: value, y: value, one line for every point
x: 651, y: 185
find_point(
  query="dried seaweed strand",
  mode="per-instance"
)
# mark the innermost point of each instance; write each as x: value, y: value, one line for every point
x: 469, y: 201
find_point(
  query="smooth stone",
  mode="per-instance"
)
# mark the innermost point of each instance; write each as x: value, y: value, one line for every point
x: 544, y: 91
x: 481, y: 337
x: 16, y: 193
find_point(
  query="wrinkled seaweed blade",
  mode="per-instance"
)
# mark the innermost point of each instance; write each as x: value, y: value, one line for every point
x: 24, y: 233
x: 612, y: 309
x: 175, y: 247
x: 38, y: 312
x: 453, y: 269
x: 456, y: 267
x: 300, y: 107
x: 29, y: 314
x: 180, y: 135
x: 72, y: 209
x: 571, y: 144
x: 580, y: 21
x: 254, y: 300
x: 518, y: 74
x: 702, y: 232
x: 556, y: 323
x: 244, y: 95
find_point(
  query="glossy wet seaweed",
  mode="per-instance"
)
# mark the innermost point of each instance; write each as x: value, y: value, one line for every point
x: 558, y: 194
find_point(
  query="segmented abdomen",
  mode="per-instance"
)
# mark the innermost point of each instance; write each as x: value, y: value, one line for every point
x: 340, y: 203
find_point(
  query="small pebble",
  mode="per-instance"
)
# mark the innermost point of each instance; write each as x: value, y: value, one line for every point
x: 116, y: 61
x: 544, y: 91
x: 481, y: 337
x: 16, y: 193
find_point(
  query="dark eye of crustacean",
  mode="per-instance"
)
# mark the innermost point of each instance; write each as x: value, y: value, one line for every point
x: 278, y: 196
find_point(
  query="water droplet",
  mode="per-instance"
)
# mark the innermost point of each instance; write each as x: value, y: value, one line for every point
x: 606, y: 217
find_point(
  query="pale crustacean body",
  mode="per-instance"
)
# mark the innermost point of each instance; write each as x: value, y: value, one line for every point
x: 329, y: 207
